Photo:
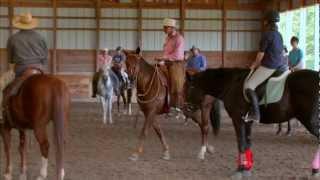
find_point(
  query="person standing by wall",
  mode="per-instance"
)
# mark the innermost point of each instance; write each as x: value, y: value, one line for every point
x: 295, y: 55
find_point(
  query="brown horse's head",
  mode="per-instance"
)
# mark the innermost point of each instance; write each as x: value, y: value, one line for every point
x: 132, y: 61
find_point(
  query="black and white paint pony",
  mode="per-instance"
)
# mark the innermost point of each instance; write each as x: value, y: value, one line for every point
x: 108, y: 85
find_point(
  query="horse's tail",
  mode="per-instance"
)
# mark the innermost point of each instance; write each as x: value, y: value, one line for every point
x: 61, y: 102
x: 215, y: 116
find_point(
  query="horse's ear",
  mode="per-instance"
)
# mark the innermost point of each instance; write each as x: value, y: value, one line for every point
x: 138, y: 50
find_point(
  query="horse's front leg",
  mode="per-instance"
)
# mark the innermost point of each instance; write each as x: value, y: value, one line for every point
x: 149, y: 117
x: 22, y: 150
x: 129, y: 96
x: 104, y: 112
x: 245, y: 157
x: 279, y: 129
x: 125, y: 105
x: 6, y: 135
x: 109, y: 102
x: 158, y: 130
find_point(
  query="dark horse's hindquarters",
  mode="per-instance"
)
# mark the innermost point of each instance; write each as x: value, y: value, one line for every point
x: 299, y: 101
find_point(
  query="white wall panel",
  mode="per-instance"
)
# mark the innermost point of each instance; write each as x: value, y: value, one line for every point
x: 195, y: 13
x: 152, y: 40
x: 4, y: 11
x: 4, y: 35
x: 160, y: 13
x: 76, y: 39
x: 34, y: 11
x: 205, y: 25
x: 4, y: 22
x: 154, y: 24
x: 243, y: 25
x: 119, y: 23
x: 112, y: 39
x: 206, y: 41
x: 45, y: 23
x: 76, y: 12
x: 76, y: 23
x: 243, y: 14
x: 243, y: 41
x: 117, y: 12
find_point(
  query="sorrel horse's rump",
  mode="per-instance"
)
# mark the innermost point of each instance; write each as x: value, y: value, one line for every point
x: 40, y: 99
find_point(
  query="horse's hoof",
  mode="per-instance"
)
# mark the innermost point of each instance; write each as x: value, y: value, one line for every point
x: 201, y: 156
x: 134, y: 157
x: 315, y: 174
x: 210, y: 149
x: 241, y: 175
x: 166, y: 156
x: 7, y: 177
x: 23, y: 177
x: 41, y: 178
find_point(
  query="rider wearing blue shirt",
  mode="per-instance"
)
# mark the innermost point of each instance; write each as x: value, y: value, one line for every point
x: 196, y: 62
x: 269, y: 59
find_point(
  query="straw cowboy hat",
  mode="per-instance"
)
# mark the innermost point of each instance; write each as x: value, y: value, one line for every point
x: 24, y: 21
x: 105, y: 49
x: 169, y: 22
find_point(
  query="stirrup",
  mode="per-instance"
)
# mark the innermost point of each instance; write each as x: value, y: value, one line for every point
x: 246, y: 118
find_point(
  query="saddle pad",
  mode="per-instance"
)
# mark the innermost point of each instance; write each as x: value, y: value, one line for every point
x: 274, y: 89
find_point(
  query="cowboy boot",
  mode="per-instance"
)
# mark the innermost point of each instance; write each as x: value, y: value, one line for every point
x: 254, y: 112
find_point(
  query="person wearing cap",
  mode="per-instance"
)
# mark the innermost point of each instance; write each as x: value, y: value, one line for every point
x: 118, y: 64
x: 269, y: 59
x: 172, y: 58
x: 103, y: 60
x: 25, y: 49
x: 196, y: 62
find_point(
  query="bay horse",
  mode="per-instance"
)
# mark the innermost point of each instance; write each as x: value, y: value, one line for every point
x: 126, y: 94
x: 151, y: 97
x: 300, y: 100
x: 40, y: 99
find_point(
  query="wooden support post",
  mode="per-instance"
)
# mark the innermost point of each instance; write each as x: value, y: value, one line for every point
x: 98, y: 17
x: 224, y: 33
x: 182, y: 15
x: 139, y: 34
x: 54, y: 50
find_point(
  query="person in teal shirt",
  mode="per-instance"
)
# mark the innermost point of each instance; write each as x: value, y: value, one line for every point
x: 295, y: 55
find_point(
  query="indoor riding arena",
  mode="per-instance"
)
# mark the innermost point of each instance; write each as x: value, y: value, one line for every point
x: 228, y: 33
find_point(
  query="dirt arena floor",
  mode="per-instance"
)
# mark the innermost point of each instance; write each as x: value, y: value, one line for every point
x: 100, y: 152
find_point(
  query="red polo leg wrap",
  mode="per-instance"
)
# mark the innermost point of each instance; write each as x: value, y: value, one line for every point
x: 245, y: 160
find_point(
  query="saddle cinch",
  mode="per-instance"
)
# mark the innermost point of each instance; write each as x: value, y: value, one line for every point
x: 271, y: 91
x: 13, y: 88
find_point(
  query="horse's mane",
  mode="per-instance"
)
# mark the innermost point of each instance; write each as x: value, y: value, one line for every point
x: 228, y: 72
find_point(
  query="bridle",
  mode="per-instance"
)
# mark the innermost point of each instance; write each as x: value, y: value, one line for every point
x: 135, y: 71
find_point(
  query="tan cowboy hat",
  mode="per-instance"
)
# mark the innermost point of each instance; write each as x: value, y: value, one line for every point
x: 24, y: 21
x: 169, y: 22
x: 105, y: 49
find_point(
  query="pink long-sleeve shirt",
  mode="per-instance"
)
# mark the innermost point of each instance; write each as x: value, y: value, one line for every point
x: 104, y: 60
x: 173, y: 48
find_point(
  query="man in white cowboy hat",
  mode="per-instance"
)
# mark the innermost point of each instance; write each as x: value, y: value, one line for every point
x: 173, y: 56
x: 104, y: 59
x: 26, y: 49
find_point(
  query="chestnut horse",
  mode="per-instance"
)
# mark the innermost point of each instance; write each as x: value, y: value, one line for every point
x: 41, y: 98
x: 151, y: 97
